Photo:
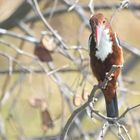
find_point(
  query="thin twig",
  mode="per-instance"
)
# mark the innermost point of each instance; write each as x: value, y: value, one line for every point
x: 123, y: 4
x: 127, y: 110
x: 47, y: 25
x: 91, y: 6
x: 18, y: 36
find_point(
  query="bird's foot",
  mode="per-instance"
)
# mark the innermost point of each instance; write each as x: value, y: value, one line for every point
x: 117, y: 66
x: 91, y: 107
x: 101, y: 85
x: 109, y: 77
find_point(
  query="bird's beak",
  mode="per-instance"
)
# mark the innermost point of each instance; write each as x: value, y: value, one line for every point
x: 98, y: 34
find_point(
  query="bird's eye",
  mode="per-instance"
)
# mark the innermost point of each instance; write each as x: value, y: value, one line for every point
x: 103, y: 21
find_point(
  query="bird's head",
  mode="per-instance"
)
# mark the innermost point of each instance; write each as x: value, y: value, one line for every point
x: 99, y: 26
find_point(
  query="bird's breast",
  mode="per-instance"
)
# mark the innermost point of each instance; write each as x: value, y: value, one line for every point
x: 104, y: 48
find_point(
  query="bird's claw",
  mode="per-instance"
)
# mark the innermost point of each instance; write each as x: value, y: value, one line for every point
x: 101, y: 85
x: 109, y: 77
x: 91, y: 106
x: 117, y: 66
x: 94, y: 100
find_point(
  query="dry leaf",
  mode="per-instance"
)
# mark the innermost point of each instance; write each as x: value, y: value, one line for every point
x: 38, y: 102
x: 85, y: 95
x: 77, y: 100
x: 43, y: 54
x: 47, y: 121
x: 35, y: 102
x: 48, y: 43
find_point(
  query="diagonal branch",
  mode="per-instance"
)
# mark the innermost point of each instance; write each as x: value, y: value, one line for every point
x: 90, y: 99
x: 127, y: 110
x: 47, y: 25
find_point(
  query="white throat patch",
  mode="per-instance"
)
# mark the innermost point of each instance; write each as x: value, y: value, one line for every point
x: 105, y: 46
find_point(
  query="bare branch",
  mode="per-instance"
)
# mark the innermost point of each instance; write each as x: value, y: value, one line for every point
x: 91, y: 6
x: 127, y: 110
x: 123, y: 4
x: 90, y: 99
x: 18, y: 36
x: 48, y: 26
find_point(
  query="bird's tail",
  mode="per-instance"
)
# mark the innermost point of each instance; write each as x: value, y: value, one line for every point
x: 112, y: 107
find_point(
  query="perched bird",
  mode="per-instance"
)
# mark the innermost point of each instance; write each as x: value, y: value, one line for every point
x: 105, y: 51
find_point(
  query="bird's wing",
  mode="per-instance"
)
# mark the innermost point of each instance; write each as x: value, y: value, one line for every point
x: 118, y: 44
x: 89, y: 41
x: 117, y: 41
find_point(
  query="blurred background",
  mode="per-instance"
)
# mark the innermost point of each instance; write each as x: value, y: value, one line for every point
x: 45, y: 72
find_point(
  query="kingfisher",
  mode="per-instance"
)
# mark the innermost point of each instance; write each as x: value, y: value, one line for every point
x: 105, y: 52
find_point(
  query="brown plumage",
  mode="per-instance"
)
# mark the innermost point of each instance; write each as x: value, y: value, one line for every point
x: 105, y: 52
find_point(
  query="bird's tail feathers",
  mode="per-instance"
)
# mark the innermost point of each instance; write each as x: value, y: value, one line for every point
x: 112, y: 107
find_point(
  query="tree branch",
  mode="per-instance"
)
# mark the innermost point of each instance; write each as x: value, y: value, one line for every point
x: 90, y: 99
